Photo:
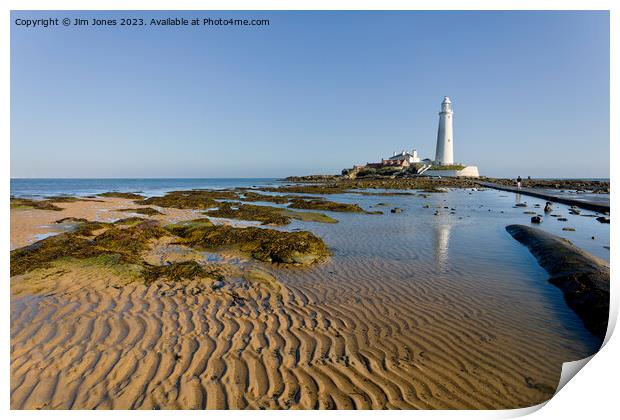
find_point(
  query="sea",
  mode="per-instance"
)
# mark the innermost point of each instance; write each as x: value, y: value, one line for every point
x: 49, y: 187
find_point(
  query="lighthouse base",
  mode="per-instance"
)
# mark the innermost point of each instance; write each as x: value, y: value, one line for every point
x: 468, y: 171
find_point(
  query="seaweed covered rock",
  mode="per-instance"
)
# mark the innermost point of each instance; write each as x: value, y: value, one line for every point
x: 24, y: 203
x: 338, y: 185
x: 177, y: 271
x: 262, y: 244
x: 582, y: 277
x: 325, y: 205
x: 265, y: 215
x: 194, y: 199
x: 118, y: 194
x: 42, y: 253
x: 147, y: 211
x: 326, y: 188
x: 254, y: 196
x: 129, y: 241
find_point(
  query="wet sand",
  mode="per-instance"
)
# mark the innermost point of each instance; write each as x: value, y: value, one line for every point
x: 354, y: 332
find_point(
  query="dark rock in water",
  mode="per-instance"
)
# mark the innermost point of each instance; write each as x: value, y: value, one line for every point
x: 396, y: 210
x: 603, y: 219
x: 536, y: 205
x: 562, y: 219
x: 521, y: 205
x: 536, y: 219
x: 593, y: 237
x: 436, y: 213
x: 575, y: 212
x: 548, y: 207
x: 529, y: 212
x: 425, y: 206
x: 71, y: 220
x: 555, y: 215
x: 569, y: 229
x: 582, y: 277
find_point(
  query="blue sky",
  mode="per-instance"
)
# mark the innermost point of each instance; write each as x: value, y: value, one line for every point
x: 314, y: 92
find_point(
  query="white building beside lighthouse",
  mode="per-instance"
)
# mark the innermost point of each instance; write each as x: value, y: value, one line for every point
x: 444, y: 154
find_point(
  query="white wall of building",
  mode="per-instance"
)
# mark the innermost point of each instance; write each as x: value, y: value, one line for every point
x: 468, y: 171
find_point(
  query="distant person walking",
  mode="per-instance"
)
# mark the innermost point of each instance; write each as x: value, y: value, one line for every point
x: 519, y: 181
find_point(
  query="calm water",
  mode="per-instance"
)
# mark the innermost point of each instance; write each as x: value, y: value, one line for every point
x: 455, y: 262
x: 43, y: 187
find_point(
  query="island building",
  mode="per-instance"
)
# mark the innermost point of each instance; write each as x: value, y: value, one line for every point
x: 409, y: 163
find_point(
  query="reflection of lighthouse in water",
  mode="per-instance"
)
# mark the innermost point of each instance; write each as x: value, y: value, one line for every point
x: 442, y: 240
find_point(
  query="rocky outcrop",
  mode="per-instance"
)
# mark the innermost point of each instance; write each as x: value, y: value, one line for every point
x: 582, y: 277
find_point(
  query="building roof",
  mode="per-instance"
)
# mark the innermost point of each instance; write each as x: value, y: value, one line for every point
x: 401, y: 156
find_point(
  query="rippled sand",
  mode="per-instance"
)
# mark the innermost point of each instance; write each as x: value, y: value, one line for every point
x: 388, y: 322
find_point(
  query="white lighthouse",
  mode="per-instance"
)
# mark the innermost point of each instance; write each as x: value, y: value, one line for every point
x: 444, y: 153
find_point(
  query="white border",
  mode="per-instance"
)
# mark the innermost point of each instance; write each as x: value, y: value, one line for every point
x: 593, y: 394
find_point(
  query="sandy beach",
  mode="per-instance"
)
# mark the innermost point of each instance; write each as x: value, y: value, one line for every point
x: 346, y: 333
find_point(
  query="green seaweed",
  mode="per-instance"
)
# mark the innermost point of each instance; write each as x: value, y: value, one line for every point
x: 325, y: 205
x: 254, y: 196
x: 129, y: 241
x: 147, y: 211
x: 267, y: 214
x: 42, y: 253
x: 262, y: 244
x: 118, y: 194
x: 178, y: 271
x: 24, y: 203
x: 264, y: 214
x: 197, y: 199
